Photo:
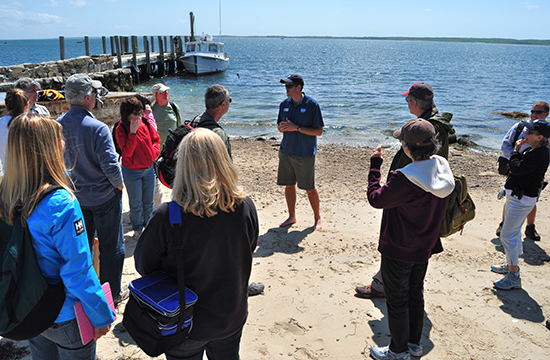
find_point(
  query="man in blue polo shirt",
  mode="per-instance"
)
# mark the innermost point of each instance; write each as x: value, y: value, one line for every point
x: 300, y: 121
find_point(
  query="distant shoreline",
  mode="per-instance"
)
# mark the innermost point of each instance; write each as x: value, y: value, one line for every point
x: 400, y: 38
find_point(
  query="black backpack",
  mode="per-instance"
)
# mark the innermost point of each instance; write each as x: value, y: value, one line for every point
x: 166, y: 162
x: 28, y: 304
x: 113, y: 134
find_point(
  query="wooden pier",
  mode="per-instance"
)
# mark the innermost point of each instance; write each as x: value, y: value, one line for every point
x: 143, y: 64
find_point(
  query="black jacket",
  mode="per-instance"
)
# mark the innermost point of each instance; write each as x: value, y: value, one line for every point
x: 218, y: 260
x: 527, y: 171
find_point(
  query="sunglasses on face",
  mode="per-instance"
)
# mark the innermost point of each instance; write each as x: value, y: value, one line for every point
x: 538, y: 112
x: 228, y: 101
x: 289, y: 86
x: 531, y: 132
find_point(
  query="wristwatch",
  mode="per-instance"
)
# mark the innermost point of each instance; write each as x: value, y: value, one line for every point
x: 299, y: 129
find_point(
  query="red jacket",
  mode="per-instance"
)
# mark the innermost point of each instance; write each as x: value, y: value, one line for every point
x: 139, y: 150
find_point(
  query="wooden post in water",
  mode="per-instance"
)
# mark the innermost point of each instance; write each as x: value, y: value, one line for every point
x: 124, y: 43
x: 113, y: 53
x: 171, y: 62
x: 119, y: 56
x: 179, y: 64
x: 104, y: 42
x: 152, y: 44
x: 161, y: 58
x: 165, y: 45
x: 87, y: 45
x: 62, y: 47
x: 135, y: 69
x: 147, y: 57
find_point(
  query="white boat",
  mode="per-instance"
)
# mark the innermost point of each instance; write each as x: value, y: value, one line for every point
x: 204, y: 56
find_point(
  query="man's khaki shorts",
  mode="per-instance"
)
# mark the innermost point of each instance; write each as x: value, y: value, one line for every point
x: 296, y: 169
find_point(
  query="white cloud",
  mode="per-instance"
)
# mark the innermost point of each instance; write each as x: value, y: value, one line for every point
x: 52, y: 3
x: 428, y: 9
x: 11, y: 17
x: 532, y: 7
x: 78, y: 3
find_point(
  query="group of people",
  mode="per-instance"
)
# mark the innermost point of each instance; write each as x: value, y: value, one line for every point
x: 413, y: 199
x: 220, y: 223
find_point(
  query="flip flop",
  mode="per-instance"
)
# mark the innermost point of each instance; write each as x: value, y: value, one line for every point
x: 367, y: 292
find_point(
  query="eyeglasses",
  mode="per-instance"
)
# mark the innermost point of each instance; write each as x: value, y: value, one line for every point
x: 228, y: 101
x: 531, y: 132
x: 538, y: 112
x: 289, y: 86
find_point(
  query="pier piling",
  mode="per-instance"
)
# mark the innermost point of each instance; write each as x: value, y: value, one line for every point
x: 87, y: 45
x: 62, y: 47
x: 119, y: 56
x: 104, y: 43
x: 160, y: 65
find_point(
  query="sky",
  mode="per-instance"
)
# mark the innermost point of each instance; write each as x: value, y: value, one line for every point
x: 41, y: 19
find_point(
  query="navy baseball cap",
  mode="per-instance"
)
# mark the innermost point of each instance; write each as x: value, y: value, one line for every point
x: 540, y: 126
x: 420, y: 90
x: 294, y: 78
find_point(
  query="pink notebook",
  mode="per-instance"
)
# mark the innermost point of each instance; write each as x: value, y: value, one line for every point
x: 84, y: 325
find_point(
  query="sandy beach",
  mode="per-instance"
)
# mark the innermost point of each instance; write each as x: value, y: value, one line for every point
x: 308, y: 310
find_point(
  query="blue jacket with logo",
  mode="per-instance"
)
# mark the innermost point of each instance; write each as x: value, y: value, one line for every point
x: 63, y: 254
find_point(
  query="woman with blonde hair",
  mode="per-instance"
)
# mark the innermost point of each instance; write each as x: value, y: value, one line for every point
x: 34, y: 163
x: 17, y: 103
x: 220, y: 232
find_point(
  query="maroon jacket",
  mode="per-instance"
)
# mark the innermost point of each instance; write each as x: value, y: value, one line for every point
x: 139, y: 150
x: 411, y: 219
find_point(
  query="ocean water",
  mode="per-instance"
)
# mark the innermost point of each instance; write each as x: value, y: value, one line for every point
x: 358, y: 83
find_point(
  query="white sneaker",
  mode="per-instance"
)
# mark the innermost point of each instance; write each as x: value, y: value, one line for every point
x: 500, y: 269
x: 509, y: 282
x: 415, y: 350
x: 384, y: 353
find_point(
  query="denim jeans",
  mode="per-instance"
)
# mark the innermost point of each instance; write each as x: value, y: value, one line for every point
x: 61, y: 341
x: 140, y: 185
x: 106, y: 219
x: 224, y: 349
x: 515, y: 213
x: 403, y: 286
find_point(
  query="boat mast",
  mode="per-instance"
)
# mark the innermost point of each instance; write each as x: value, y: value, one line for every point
x: 192, y: 22
x: 220, y: 2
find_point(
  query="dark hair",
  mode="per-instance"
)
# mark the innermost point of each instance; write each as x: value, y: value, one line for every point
x: 419, y: 153
x: 144, y: 101
x: 16, y: 100
x: 128, y: 107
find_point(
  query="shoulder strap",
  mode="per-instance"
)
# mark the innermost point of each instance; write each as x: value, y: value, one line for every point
x: 174, y: 211
x: 193, y: 123
x: 519, y: 130
x: 47, y: 191
x: 175, y: 108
